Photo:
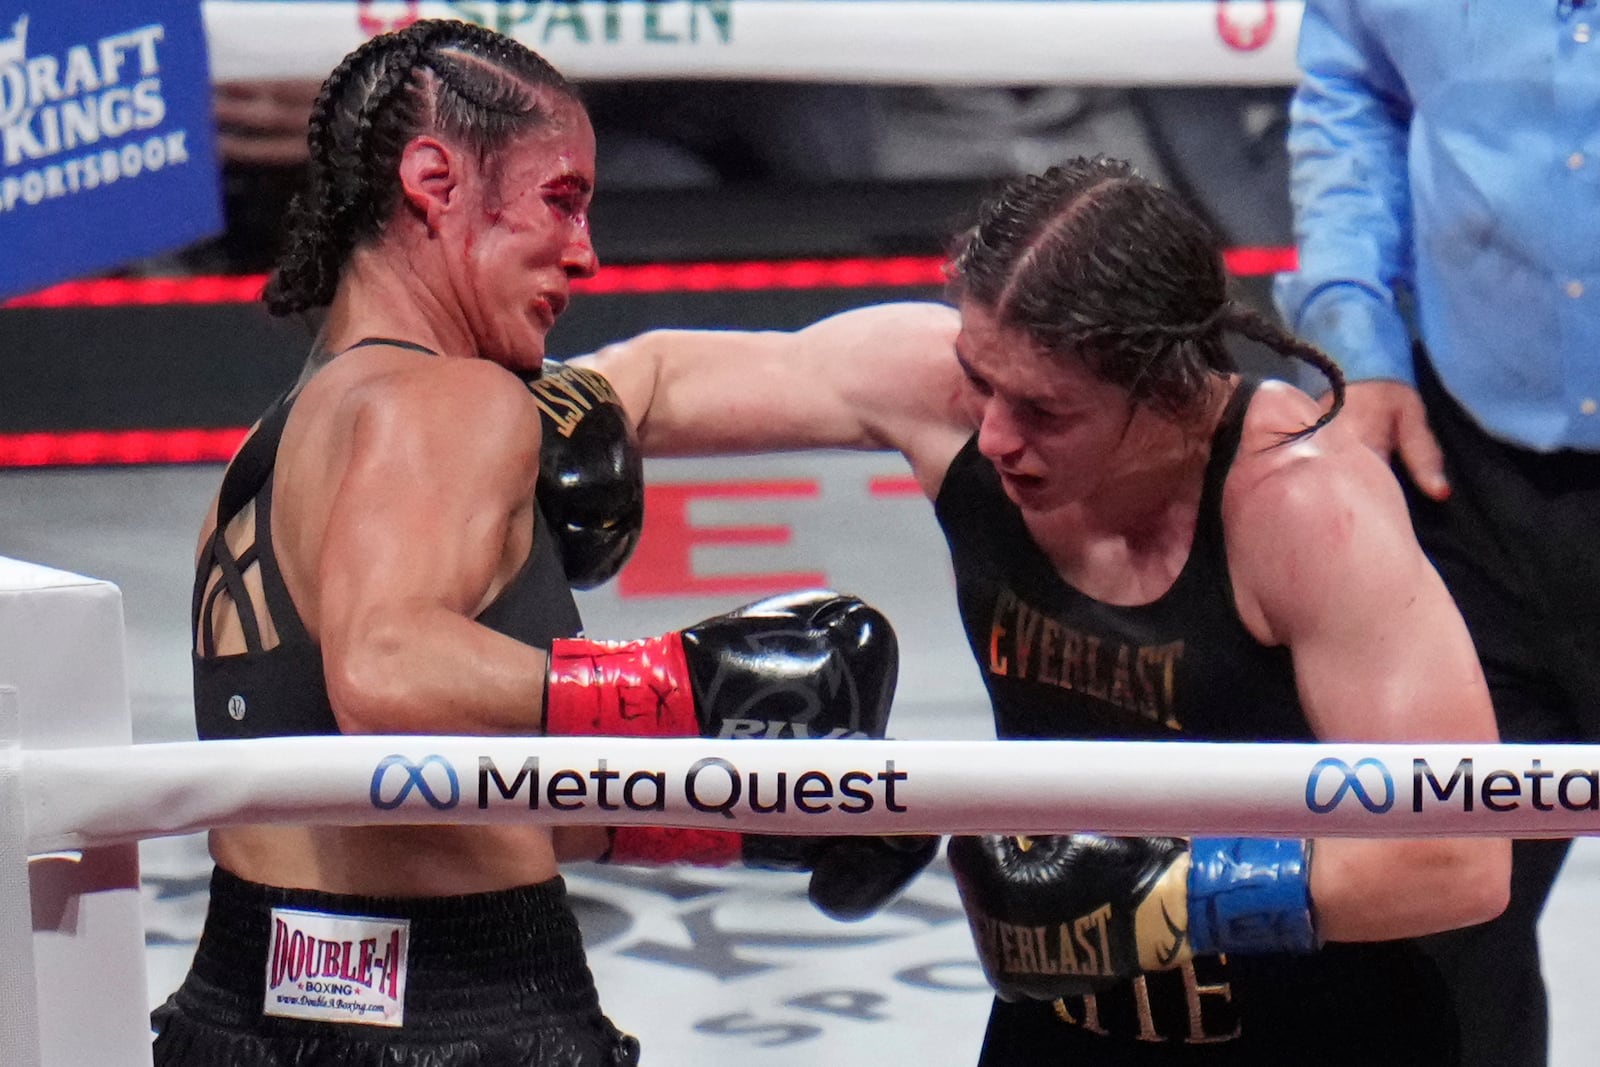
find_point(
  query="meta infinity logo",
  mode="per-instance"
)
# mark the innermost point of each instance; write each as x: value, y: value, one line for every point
x: 415, y: 778
x: 1349, y: 782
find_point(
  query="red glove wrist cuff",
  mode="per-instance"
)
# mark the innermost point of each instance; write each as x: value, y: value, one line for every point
x: 619, y: 689
x: 659, y: 846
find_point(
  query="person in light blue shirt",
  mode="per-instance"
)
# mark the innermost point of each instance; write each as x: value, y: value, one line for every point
x: 1446, y: 186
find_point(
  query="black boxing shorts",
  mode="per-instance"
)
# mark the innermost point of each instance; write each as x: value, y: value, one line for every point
x: 298, y: 977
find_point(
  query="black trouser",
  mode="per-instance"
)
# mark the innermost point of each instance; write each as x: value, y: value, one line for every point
x: 1518, y: 545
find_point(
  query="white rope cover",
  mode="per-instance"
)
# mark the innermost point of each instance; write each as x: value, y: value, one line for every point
x: 928, y: 42
x: 19, y: 1019
x: 73, y: 798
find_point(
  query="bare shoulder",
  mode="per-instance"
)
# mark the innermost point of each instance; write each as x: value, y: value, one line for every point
x: 910, y: 322
x: 431, y: 398
x: 1303, y: 517
x: 399, y: 422
x: 913, y: 398
x: 1277, y: 476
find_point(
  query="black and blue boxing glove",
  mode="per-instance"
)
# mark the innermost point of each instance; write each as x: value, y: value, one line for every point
x: 1069, y: 914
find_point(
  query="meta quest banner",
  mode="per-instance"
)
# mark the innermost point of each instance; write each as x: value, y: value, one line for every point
x: 106, y: 149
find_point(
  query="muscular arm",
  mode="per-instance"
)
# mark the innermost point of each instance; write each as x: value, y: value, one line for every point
x: 882, y: 377
x: 437, y: 483
x: 1325, y: 562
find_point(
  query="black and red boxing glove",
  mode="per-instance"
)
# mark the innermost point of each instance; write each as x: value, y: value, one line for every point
x: 810, y: 664
x: 851, y: 877
x: 814, y: 664
x: 591, y: 472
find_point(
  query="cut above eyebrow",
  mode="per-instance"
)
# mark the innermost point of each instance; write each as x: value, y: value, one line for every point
x: 575, y: 183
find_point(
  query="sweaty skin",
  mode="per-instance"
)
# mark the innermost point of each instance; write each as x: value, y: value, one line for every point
x: 1320, y: 549
x: 403, y: 499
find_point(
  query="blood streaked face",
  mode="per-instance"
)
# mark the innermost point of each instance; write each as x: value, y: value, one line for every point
x: 529, y: 239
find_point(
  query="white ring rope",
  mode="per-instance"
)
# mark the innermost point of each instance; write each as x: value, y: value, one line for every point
x: 78, y: 797
x: 895, y: 42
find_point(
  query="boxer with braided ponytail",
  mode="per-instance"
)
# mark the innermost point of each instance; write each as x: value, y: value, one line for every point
x: 479, y: 87
x: 1147, y: 544
x: 408, y: 583
x: 393, y: 550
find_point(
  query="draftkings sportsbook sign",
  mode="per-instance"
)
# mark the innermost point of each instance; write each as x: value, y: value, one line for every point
x: 106, y: 151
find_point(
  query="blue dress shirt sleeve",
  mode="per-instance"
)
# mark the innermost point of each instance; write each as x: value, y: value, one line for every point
x: 1349, y: 124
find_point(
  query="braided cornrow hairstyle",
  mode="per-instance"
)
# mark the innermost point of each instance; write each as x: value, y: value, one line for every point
x: 1252, y: 324
x: 1092, y: 261
x: 476, y: 87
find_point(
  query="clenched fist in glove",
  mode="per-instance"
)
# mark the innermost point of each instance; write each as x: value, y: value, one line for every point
x: 1064, y: 915
x: 591, y: 472
x: 812, y: 664
x: 809, y: 664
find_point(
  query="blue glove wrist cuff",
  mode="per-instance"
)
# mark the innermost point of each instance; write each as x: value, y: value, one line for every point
x: 1250, y: 895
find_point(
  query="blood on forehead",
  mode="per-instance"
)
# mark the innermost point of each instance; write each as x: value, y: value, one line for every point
x: 557, y: 162
x: 570, y: 182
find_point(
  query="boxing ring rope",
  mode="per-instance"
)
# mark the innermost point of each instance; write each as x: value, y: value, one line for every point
x: 889, y: 42
x: 88, y: 801
x: 75, y: 798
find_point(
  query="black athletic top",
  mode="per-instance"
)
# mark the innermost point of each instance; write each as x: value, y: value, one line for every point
x: 1059, y: 664
x: 281, y: 691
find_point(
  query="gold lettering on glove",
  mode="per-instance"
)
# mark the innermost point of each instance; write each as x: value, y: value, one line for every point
x: 1193, y: 990
x: 1161, y: 923
x: 565, y: 394
x: 1080, y: 946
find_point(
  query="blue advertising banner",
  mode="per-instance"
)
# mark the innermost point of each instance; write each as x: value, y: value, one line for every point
x: 106, y: 149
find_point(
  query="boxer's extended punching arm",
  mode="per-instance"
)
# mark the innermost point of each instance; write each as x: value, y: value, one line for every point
x: 881, y: 377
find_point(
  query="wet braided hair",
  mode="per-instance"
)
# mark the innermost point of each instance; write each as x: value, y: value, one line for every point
x: 479, y: 88
x: 1092, y: 261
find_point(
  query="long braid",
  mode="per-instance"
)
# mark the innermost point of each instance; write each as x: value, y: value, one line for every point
x: 305, y: 272
x: 397, y: 71
x: 454, y: 78
x: 1254, y: 325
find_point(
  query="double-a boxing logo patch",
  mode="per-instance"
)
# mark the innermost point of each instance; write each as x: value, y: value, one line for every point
x: 1368, y: 782
x: 337, y: 968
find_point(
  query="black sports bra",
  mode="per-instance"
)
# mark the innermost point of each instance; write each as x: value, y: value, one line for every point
x: 281, y: 690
